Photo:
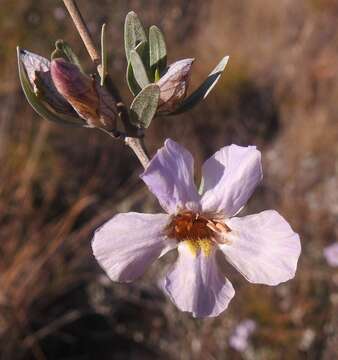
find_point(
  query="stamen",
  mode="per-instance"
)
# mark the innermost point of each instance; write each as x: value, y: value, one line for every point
x: 201, y: 232
x: 212, y: 226
x: 222, y: 227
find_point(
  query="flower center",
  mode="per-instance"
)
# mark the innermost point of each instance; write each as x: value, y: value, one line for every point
x: 201, y: 232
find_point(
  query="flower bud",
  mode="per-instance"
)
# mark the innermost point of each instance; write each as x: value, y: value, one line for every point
x: 38, y: 72
x: 92, y: 102
x: 174, y: 85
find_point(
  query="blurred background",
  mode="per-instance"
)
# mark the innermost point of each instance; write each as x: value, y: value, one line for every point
x: 279, y: 92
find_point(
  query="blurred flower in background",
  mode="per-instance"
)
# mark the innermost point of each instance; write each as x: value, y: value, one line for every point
x: 239, y: 340
x: 331, y: 254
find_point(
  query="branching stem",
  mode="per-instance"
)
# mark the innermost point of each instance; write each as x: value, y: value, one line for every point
x: 136, y: 143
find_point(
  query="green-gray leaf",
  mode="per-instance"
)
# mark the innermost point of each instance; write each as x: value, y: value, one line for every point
x: 63, y: 50
x: 131, y: 81
x: 158, y: 50
x: 139, y: 69
x: 203, y: 91
x: 38, y: 105
x: 144, y: 106
x: 133, y: 33
x: 104, y: 55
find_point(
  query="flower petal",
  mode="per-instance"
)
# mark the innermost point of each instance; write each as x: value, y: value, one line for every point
x: 174, y: 85
x: 229, y: 178
x: 32, y: 63
x: 169, y: 176
x: 38, y: 72
x: 128, y: 243
x: 196, y: 285
x: 263, y: 248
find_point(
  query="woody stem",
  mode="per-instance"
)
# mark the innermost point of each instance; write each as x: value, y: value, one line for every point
x: 82, y: 29
x: 134, y: 142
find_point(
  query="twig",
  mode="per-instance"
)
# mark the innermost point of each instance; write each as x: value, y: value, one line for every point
x: 137, y: 145
x: 82, y: 29
x: 134, y: 142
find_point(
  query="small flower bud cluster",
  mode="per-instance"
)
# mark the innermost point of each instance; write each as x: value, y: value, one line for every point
x: 66, y: 93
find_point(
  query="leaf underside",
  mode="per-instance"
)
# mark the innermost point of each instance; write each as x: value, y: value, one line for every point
x: 134, y: 33
x: 144, y: 106
x: 139, y: 69
x: 131, y: 81
x: 157, y: 50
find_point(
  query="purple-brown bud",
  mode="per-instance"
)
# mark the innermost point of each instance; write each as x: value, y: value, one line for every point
x: 92, y: 102
x: 174, y: 85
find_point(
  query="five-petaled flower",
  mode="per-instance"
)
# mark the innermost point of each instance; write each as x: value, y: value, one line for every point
x: 262, y: 247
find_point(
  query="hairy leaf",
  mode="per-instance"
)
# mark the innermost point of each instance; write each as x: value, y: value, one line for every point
x: 131, y: 81
x: 144, y: 106
x: 133, y: 33
x: 139, y: 69
x: 157, y: 50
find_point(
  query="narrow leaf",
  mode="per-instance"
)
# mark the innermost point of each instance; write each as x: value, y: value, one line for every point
x: 104, y: 55
x: 39, y: 106
x: 63, y: 50
x: 131, y: 81
x: 133, y: 33
x: 139, y: 70
x: 203, y: 91
x: 144, y: 106
x: 157, y: 50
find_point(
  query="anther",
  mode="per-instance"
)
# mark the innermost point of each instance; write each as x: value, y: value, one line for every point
x: 212, y: 226
x: 222, y: 227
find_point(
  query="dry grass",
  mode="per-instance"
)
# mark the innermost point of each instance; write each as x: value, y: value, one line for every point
x: 57, y: 185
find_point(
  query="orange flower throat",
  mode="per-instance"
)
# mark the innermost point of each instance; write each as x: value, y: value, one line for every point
x: 200, y: 231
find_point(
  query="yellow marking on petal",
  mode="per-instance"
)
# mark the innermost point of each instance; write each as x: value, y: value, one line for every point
x: 205, y: 245
x: 192, y: 246
x: 195, y: 246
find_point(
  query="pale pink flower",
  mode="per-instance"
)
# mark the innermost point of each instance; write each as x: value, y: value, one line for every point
x: 262, y: 247
x: 239, y: 339
x: 331, y: 254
